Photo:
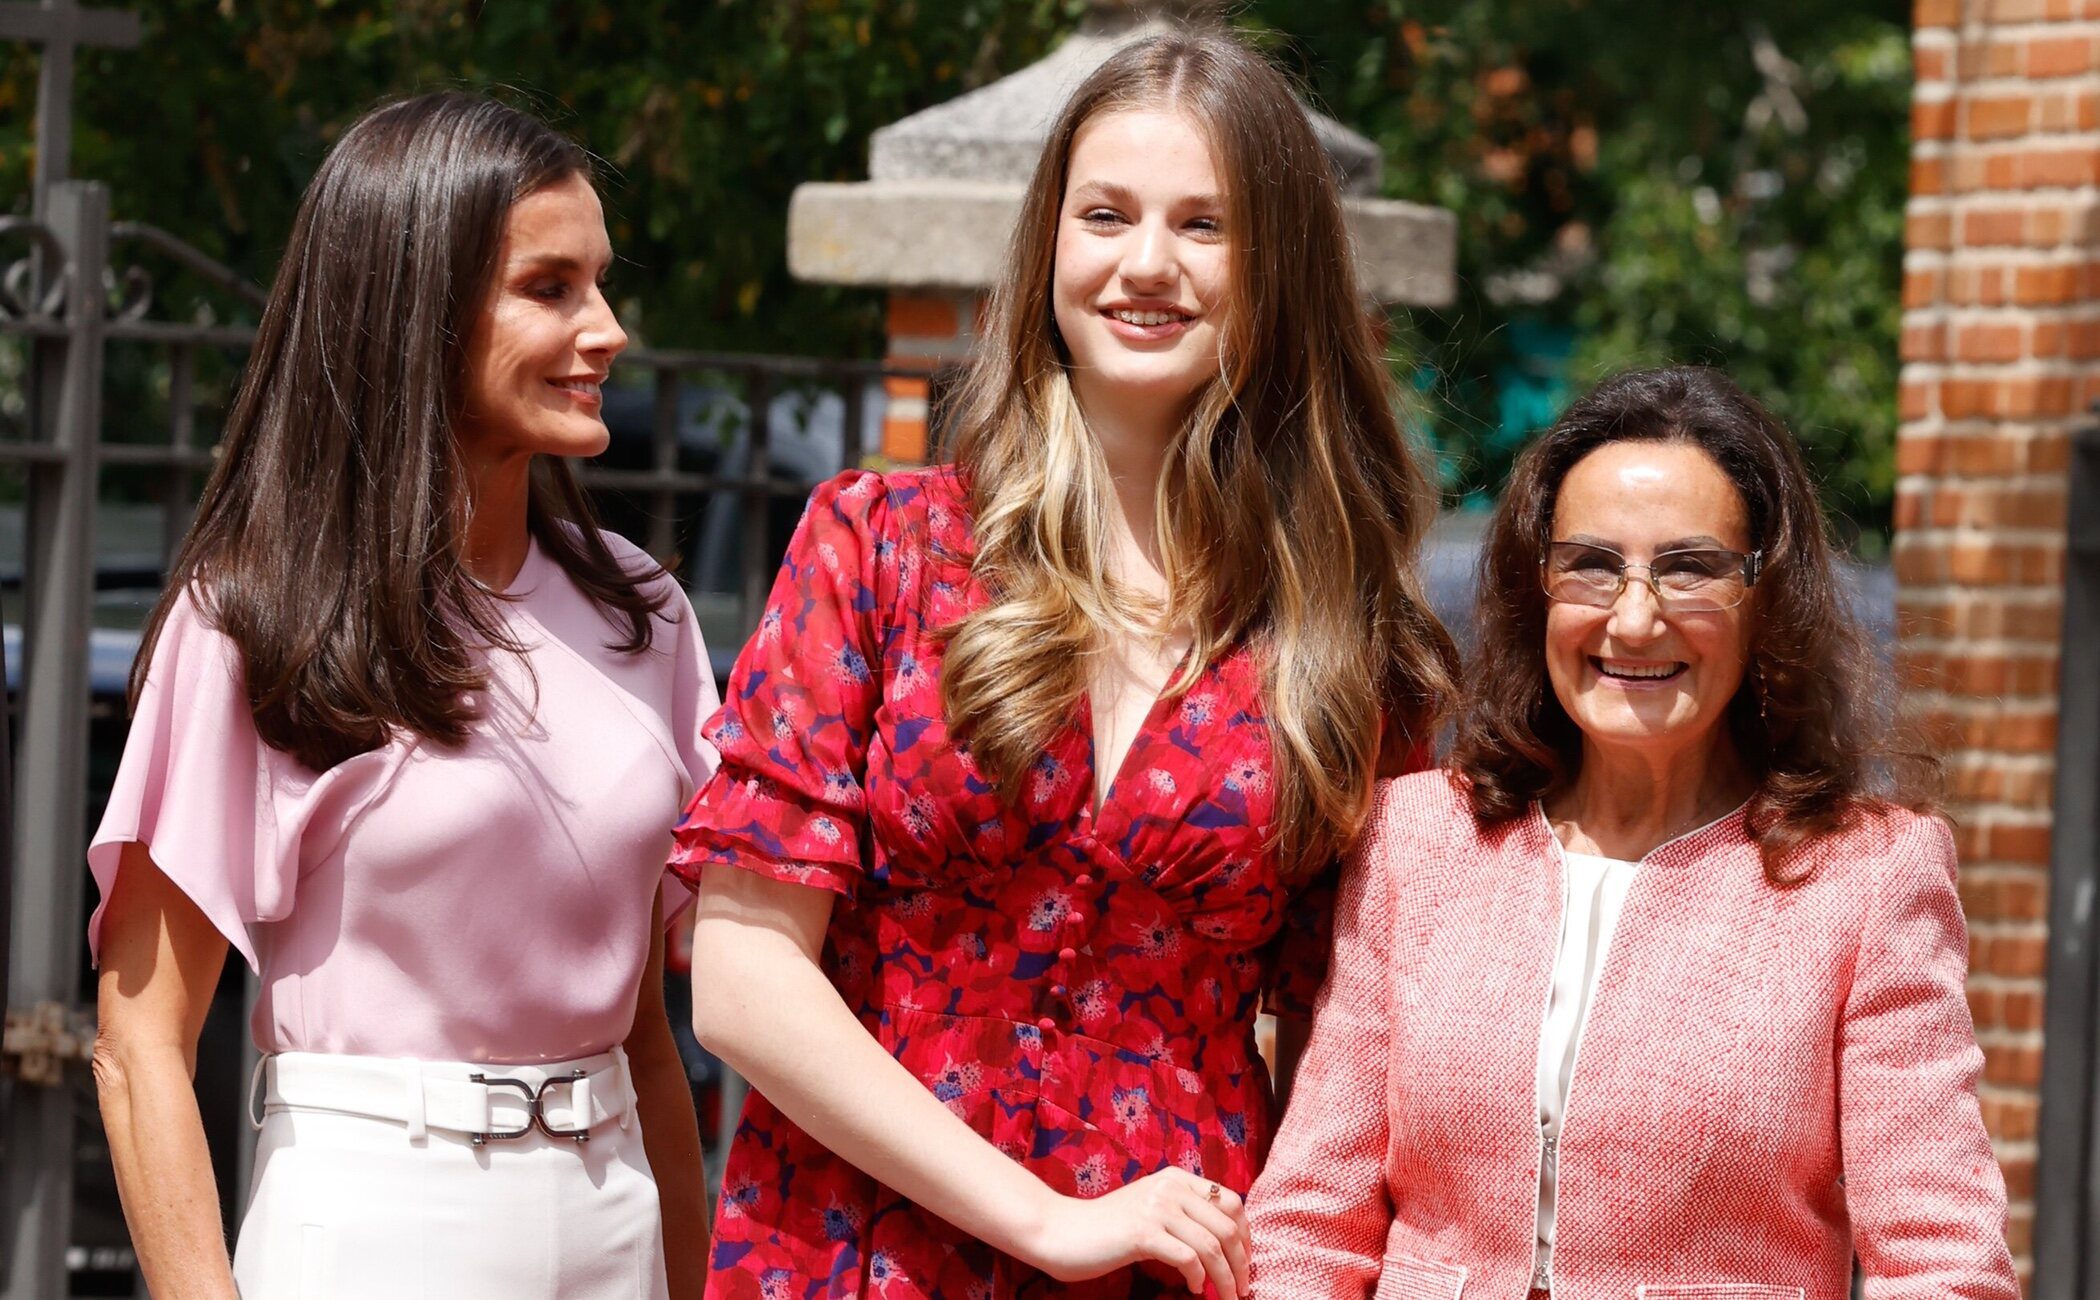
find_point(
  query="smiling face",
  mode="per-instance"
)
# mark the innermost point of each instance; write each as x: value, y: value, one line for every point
x: 1635, y: 675
x: 546, y: 336
x: 1143, y: 261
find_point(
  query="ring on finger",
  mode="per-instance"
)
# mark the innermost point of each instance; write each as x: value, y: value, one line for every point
x: 1213, y: 1194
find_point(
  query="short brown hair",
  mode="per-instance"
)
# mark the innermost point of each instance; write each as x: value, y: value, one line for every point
x: 1811, y: 719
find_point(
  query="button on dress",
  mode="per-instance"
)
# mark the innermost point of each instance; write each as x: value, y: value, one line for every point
x: 1080, y: 988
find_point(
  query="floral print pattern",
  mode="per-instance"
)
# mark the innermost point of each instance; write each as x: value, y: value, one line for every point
x: 1080, y: 987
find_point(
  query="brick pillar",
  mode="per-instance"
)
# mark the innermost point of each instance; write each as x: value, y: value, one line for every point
x: 927, y: 329
x: 2001, y: 329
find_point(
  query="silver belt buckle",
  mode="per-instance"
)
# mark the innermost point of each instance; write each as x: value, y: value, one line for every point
x: 535, y: 1109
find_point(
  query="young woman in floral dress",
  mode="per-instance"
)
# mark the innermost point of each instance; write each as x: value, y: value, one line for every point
x: 1031, y: 762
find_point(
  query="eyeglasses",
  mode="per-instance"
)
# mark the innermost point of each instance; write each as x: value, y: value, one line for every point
x: 1684, y: 582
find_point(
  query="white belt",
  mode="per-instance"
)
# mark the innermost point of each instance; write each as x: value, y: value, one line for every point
x: 487, y: 1103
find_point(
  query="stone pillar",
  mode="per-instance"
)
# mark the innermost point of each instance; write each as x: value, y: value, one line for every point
x: 2000, y: 336
x: 928, y: 329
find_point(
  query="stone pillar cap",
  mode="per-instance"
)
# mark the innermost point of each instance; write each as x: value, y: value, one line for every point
x: 947, y: 234
x: 945, y: 184
x: 996, y: 132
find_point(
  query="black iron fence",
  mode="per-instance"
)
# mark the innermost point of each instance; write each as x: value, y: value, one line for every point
x: 108, y: 414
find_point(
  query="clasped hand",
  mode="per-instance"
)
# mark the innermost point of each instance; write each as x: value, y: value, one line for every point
x: 1193, y: 1225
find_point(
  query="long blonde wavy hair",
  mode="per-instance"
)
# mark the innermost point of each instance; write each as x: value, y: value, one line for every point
x: 1290, y: 507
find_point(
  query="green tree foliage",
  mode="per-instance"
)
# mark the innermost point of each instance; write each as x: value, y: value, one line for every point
x: 1655, y: 181
x: 708, y: 112
x: 1635, y: 180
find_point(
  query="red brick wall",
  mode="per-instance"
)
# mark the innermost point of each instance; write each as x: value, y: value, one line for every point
x: 2001, y: 330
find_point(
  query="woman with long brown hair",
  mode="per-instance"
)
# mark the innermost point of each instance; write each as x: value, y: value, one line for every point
x: 407, y: 732
x: 1033, y: 754
x: 1658, y: 992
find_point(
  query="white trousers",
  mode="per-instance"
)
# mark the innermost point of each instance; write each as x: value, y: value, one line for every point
x: 351, y: 1206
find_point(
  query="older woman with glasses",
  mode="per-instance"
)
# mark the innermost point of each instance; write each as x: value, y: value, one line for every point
x: 1658, y: 991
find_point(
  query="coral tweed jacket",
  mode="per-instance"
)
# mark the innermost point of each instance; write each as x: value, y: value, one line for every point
x: 1768, y: 1080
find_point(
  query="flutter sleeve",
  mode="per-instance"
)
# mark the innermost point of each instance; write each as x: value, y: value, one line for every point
x: 793, y: 734
x: 220, y: 812
x: 693, y: 701
x: 1924, y: 1190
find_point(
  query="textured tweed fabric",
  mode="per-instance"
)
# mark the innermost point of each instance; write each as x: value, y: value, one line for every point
x: 1770, y: 1078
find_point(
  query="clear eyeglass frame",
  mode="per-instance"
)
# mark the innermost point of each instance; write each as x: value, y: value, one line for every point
x: 1694, y: 580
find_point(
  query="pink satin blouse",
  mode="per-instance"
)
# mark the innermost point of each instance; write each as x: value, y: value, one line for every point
x: 485, y: 903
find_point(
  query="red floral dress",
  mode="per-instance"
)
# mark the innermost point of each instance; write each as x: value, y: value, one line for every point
x: 1080, y: 989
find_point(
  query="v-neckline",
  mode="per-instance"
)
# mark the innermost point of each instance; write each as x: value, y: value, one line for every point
x: 1099, y: 796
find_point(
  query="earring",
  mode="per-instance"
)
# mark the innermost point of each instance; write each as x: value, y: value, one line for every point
x: 1757, y: 688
